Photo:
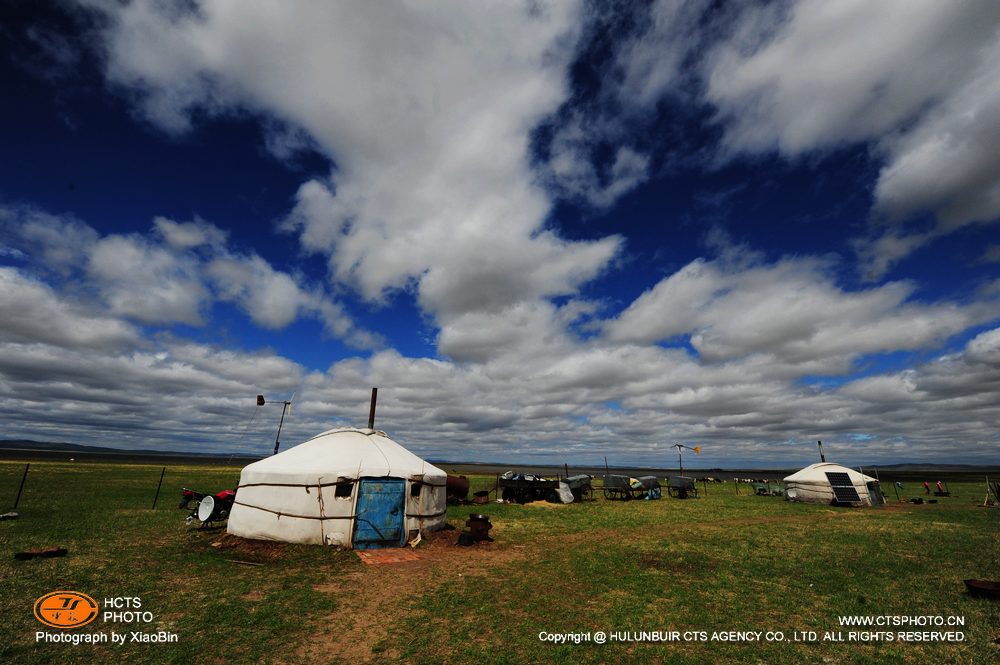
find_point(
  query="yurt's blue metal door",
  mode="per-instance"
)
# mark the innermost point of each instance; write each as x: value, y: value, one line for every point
x: 380, y: 513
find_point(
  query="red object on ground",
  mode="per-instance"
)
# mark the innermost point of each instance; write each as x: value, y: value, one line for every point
x: 389, y: 555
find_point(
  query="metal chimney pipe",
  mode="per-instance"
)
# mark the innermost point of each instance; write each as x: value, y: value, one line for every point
x: 822, y: 458
x: 371, y: 412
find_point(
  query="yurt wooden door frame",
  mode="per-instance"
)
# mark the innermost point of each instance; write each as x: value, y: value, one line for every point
x: 380, y: 513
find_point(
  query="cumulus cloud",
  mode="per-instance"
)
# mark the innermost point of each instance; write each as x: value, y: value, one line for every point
x: 147, y: 283
x: 950, y: 161
x: 791, y: 309
x: 913, y: 78
x: 274, y: 299
x: 177, y: 395
x: 188, y: 235
x: 173, y: 274
x: 271, y: 298
x: 592, y: 155
x: 33, y: 313
x: 575, y: 174
x: 68, y: 374
x: 427, y: 113
x: 652, y: 63
x: 426, y: 110
x: 60, y: 241
x: 958, y: 389
x: 992, y: 254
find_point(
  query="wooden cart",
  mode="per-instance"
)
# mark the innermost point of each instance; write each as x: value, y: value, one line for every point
x: 620, y: 487
x: 526, y: 491
x: 681, y: 487
x: 581, y: 487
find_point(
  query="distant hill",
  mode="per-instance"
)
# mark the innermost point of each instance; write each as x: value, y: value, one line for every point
x: 30, y: 446
x: 924, y: 466
x: 29, y: 449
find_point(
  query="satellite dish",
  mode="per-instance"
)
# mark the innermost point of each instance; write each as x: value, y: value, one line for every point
x: 206, y: 508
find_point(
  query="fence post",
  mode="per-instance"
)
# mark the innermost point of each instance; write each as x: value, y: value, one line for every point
x: 19, y: 489
x: 158, y: 487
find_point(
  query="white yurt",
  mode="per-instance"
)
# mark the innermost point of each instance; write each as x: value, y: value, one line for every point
x: 346, y: 487
x: 831, y: 483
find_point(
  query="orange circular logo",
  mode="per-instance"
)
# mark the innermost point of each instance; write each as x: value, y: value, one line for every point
x: 66, y: 609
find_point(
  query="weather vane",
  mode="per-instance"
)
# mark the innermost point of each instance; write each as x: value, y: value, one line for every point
x: 680, y: 462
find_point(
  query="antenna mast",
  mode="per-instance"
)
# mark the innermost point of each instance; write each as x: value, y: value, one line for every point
x: 285, y: 404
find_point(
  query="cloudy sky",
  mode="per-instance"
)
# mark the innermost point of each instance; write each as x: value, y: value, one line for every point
x: 547, y: 231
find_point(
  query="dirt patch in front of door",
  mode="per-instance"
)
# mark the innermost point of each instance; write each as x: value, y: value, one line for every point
x: 373, y: 599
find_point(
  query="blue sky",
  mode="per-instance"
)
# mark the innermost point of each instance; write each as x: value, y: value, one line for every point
x: 546, y: 231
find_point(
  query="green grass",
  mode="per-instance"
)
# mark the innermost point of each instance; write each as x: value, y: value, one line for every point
x: 119, y: 546
x: 720, y: 563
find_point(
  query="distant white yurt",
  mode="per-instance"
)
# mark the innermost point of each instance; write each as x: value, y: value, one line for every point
x: 833, y: 484
x: 353, y: 488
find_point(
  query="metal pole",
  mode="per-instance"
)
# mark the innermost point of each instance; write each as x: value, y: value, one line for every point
x: 280, y: 422
x: 158, y: 487
x: 23, y: 478
x: 371, y: 410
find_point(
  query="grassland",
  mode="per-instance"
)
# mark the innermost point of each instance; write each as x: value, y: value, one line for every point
x: 720, y: 563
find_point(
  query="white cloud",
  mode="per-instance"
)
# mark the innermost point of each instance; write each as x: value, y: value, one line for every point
x: 913, y: 77
x: 33, y: 313
x: 61, y: 241
x: 188, y: 235
x: 991, y: 254
x: 877, y: 253
x: 274, y: 299
x: 67, y: 374
x: 427, y: 112
x: 271, y: 298
x: 652, y: 63
x: 950, y: 161
x: 830, y: 73
x: 593, y: 155
x: 571, y: 170
x: 791, y: 310
x: 173, y: 274
x: 148, y: 283
x: 522, y: 331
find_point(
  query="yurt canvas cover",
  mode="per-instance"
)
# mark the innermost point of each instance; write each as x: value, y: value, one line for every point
x: 833, y: 484
x: 345, y: 487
